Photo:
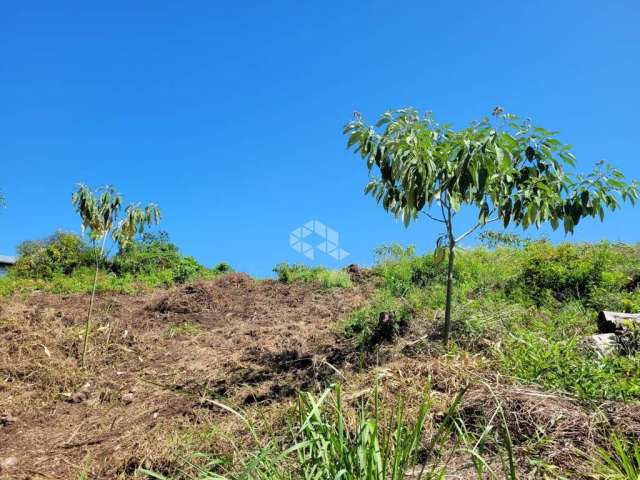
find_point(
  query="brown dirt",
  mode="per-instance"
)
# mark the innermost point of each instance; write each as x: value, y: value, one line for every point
x: 159, y: 361
x: 155, y: 363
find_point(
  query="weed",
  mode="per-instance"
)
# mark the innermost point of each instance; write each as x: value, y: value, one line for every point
x: 183, y: 329
x: 327, y: 439
x: 619, y: 462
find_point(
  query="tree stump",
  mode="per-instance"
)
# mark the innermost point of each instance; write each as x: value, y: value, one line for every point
x: 603, y: 344
x: 617, y: 322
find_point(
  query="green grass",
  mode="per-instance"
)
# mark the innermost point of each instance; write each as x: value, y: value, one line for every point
x: 620, y: 462
x: 526, y: 308
x: 363, y: 326
x: 559, y: 364
x: 331, y: 438
x: 301, y: 273
x: 81, y: 281
x: 183, y: 329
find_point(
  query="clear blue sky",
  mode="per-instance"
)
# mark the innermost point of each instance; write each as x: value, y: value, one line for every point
x: 229, y: 114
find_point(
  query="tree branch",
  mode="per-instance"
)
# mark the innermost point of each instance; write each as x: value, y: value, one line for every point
x: 434, y: 218
x: 474, y: 228
x: 442, y: 205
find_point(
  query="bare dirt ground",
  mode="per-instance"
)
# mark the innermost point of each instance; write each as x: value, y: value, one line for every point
x: 156, y: 360
x: 160, y: 361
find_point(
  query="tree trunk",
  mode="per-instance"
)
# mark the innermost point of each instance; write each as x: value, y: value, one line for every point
x: 447, y: 310
x: 87, y: 326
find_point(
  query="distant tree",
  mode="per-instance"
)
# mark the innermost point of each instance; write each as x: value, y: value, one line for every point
x: 100, y: 214
x: 508, y: 169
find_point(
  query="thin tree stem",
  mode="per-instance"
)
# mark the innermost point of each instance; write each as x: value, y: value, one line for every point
x: 447, y: 310
x: 87, y: 326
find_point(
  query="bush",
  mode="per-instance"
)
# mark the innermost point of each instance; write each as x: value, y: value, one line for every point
x: 61, y: 253
x: 301, y: 273
x: 559, y: 273
x: 223, y: 267
x: 65, y: 263
x: 154, y: 253
x: 589, y: 273
x: 402, y: 269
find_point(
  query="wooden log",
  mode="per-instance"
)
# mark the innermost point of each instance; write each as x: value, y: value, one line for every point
x: 617, y: 322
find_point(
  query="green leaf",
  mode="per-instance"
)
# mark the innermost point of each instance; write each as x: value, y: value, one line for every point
x: 406, y: 217
x: 455, y: 203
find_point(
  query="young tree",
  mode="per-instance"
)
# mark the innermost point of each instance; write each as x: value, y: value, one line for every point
x: 508, y: 169
x: 100, y: 214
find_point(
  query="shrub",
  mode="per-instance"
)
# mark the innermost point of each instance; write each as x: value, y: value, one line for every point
x: 223, y: 267
x: 301, y: 273
x: 402, y: 268
x: 61, y: 253
x: 152, y: 252
x: 155, y: 253
x: 65, y: 263
x: 562, y: 273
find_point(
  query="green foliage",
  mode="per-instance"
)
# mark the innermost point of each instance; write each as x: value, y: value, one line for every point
x: 63, y: 263
x: 565, y: 272
x: 100, y: 214
x: 61, y: 253
x: 402, y: 269
x: 368, y: 451
x: 527, y: 308
x: 154, y: 253
x: 558, y: 363
x: 620, y: 462
x: 301, y: 273
x: 223, y: 267
x: 597, y: 275
x: 507, y: 167
x: 364, y: 325
x: 327, y: 440
x: 494, y: 239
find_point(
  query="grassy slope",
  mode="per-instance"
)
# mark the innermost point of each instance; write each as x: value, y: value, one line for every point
x: 527, y: 309
x: 519, y: 317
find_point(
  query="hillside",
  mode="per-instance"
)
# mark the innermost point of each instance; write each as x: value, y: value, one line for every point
x: 170, y: 369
